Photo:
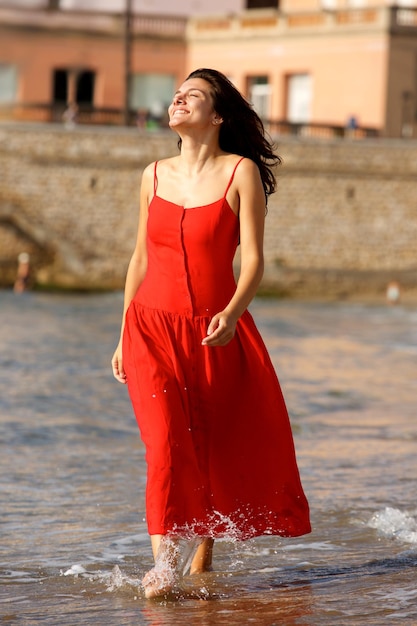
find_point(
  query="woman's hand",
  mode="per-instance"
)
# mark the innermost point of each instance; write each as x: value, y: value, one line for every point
x: 221, y: 330
x: 117, y: 365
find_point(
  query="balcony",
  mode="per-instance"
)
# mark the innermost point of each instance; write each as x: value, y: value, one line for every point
x: 92, y: 22
x: 46, y: 113
x: 271, y: 23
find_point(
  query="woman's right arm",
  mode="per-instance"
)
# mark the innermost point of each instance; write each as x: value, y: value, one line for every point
x: 137, y: 266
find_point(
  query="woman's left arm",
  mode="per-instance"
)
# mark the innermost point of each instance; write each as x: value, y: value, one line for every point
x: 252, y: 220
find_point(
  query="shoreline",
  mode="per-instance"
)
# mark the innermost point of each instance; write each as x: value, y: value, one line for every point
x: 407, y: 296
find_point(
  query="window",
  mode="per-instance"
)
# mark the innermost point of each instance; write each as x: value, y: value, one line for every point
x: 259, y: 93
x: 74, y: 85
x: 152, y: 93
x: 329, y: 5
x: 262, y: 4
x: 299, y: 96
x: 8, y: 83
x: 60, y: 88
x: 85, y: 87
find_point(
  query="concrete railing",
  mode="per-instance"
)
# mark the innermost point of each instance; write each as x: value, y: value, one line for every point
x: 404, y: 17
x: 115, y: 117
x: 271, y: 22
x: 318, y: 131
x: 91, y: 21
x: 38, y: 112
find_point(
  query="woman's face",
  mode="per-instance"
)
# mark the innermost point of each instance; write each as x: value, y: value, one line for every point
x: 192, y: 105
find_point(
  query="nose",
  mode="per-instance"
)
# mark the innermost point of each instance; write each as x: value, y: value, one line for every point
x: 178, y: 99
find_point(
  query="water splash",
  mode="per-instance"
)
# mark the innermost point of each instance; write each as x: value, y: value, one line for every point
x: 221, y: 526
x: 176, y: 553
x: 401, y: 525
x: 75, y: 570
x: 172, y: 563
x: 113, y: 580
x: 174, y: 558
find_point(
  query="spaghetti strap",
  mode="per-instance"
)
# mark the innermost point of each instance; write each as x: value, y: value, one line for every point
x: 155, y: 179
x: 232, y: 176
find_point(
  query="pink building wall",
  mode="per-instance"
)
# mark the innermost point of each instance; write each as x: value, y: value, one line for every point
x: 348, y: 63
x: 358, y: 61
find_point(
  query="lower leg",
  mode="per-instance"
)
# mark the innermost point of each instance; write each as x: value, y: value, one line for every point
x: 161, y: 579
x: 203, y: 557
x: 155, y: 543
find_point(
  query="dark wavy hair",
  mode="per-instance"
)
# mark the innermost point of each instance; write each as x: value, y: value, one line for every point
x: 242, y: 131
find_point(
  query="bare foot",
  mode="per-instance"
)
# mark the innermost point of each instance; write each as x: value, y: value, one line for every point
x: 162, y: 578
x: 159, y: 582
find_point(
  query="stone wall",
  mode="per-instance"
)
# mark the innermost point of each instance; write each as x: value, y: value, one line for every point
x: 343, y: 220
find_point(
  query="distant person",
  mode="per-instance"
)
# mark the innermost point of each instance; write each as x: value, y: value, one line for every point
x: 141, y: 118
x: 352, y: 126
x: 352, y: 122
x: 23, y: 273
x: 70, y: 115
x: 219, y: 446
x: 156, y: 113
x: 393, y: 292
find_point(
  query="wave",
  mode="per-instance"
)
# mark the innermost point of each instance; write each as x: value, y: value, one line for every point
x: 400, y: 525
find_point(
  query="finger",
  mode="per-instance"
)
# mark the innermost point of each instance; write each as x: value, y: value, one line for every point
x: 223, y: 341
x: 118, y: 371
x: 212, y: 335
x: 219, y: 338
x: 214, y: 325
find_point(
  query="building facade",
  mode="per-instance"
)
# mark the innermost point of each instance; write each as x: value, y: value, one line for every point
x: 305, y: 63
x: 51, y: 58
x: 315, y: 64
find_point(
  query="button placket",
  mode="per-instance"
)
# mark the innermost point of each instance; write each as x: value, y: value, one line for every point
x: 185, y: 278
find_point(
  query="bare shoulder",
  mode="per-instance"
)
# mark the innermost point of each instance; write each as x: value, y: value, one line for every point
x: 166, y: 165
x: 146, y: 184
x: 162, y: 164
x: 148, y: 173
x: 247, y: 173
x: 156, y: 168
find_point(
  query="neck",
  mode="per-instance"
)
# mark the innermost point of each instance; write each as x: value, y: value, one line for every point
x: 197, y: 153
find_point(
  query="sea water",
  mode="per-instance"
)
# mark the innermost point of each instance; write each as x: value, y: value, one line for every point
x: 74, y: 545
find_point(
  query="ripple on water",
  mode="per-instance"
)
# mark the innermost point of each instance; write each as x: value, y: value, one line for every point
x: 73, y: 474
x: 401, y: 525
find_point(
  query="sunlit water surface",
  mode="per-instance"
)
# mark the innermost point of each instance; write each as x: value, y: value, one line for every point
x: 73, y: 539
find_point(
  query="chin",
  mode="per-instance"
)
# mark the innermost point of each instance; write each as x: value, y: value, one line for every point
x: 174, y: 123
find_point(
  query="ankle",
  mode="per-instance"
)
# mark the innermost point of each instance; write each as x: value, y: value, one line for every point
x: 200, y: 569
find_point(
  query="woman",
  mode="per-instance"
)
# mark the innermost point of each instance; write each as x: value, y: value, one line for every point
x: 218, y: 442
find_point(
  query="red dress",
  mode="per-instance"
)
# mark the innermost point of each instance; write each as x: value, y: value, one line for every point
x: 219, y: 446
